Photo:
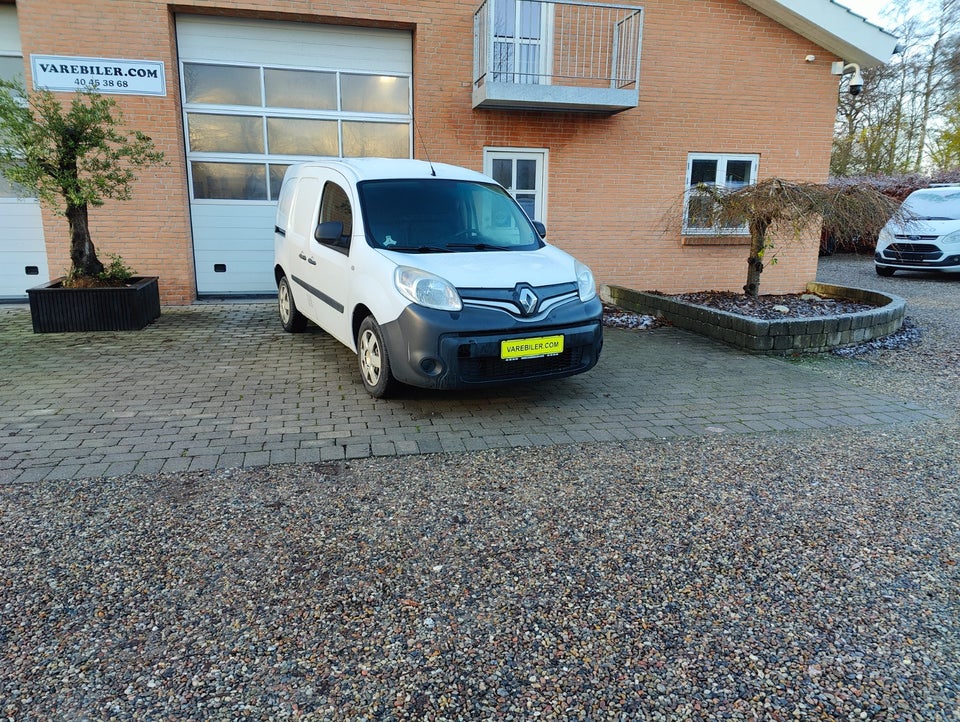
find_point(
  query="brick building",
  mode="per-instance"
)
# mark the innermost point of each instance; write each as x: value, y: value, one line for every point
x: 596, y: 116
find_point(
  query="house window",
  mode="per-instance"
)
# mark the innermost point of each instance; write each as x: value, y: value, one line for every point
x: 520, y: 37
x: 716, y: 170
x: 523, y: 172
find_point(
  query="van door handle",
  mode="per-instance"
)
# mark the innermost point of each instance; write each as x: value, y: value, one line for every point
x: 303, y: 257
x: 311, y: 262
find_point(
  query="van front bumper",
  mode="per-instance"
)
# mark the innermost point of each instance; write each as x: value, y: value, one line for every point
x: 446, y: 350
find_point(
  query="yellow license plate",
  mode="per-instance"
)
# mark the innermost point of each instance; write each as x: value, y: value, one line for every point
x: 531, y: 347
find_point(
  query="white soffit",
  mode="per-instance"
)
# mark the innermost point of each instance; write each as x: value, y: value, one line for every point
x: 833, y: 27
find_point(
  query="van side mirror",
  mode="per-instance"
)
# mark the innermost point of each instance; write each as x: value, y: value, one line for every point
x: 329, y: 232
x: 540, y: 228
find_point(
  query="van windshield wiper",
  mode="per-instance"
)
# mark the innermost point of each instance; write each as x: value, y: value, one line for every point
x: 421, y: 249
x: 479, y: 246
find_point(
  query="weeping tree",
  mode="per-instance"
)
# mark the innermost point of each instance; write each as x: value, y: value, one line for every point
x: 71, y: 157
x: 776, y: 208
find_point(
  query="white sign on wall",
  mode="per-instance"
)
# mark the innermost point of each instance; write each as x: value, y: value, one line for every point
x: 132, y: 77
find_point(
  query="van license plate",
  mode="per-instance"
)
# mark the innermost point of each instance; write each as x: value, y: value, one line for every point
x: 531, y: 347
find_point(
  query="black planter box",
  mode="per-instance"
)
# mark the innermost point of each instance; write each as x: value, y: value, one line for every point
x: 56, y: 309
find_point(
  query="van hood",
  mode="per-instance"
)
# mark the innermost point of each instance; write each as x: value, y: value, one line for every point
x: 935, y: 228
x: 494, y: 269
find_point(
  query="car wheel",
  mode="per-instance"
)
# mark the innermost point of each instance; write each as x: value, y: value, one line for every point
x: 374, y: 360
x: 885, y: 270
x: 290, y: 318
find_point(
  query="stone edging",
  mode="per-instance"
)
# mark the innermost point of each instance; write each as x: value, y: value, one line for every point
x: 789, y: 336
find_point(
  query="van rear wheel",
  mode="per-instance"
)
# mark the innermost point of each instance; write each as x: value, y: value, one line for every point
x: 290, y: 318
x: 374, y: 360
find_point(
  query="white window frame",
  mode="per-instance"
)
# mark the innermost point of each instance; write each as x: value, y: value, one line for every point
x: 540, y: 156
x: 722, y: 159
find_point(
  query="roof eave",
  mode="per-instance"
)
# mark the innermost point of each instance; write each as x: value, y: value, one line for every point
x: 833, y: 27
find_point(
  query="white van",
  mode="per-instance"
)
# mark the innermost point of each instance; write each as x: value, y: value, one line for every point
x: 927, y: 238
x: 432, y: 274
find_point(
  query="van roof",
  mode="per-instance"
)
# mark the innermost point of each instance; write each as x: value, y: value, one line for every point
x: 361, y: 169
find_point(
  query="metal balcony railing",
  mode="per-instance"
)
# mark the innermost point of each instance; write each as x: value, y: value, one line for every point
x: 556, y: 55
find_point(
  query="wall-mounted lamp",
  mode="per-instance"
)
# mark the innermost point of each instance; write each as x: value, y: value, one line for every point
x: 856, y: 80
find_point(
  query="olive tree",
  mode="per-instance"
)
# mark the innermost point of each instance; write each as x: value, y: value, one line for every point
x: 71, y: 157
x: 776, y: 208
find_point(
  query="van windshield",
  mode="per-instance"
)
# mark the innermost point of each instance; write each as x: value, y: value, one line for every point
x: 422, y: 215
x: 933, y: 205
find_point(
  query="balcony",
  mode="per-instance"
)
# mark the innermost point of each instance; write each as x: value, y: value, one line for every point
x: 559, y: 55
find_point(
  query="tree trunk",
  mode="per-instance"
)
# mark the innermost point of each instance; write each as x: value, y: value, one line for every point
x: 83, y: 256
x: 758, y: 244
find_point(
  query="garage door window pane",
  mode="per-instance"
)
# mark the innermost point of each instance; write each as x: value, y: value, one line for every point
x: 302, y: 136
x: 300, y: 89
x: 386, y: 140
x: 11, y: 68
x: 374, y: 93
x: 8, y: 190
x: 230, y: 181
x: 221, y: 84
x: 225, y: 133
x: 276, y: 179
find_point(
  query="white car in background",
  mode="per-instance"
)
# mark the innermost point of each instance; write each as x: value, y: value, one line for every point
x: 928, y: 239
x: 432, y: 274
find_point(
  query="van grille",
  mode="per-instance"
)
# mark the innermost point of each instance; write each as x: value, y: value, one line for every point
x: 492, y: 368
x: 912, y: 252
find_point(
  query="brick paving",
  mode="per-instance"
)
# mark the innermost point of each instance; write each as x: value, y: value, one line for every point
x: 220, y: 385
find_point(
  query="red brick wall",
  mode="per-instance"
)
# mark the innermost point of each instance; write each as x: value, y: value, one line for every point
x: 716, y: 77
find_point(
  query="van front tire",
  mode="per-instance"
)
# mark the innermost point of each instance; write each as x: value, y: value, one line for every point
x: 290, y: 318
x: 374, y: 361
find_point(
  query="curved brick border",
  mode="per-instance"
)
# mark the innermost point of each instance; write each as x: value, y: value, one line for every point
x: 802, y: 335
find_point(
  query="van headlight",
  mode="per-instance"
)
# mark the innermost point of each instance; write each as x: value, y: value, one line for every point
x: 426, y: 289
x: 586, y: 286
x: 885, y: 237
x: 951, y: 239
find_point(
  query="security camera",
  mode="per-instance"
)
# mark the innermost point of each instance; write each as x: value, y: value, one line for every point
x: 856, y: 83
x: 856, y: 79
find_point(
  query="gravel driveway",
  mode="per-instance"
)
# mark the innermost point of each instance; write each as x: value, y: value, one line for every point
x: 802, y: 575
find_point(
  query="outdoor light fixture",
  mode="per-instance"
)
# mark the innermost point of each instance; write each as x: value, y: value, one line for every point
x: 856, y: 80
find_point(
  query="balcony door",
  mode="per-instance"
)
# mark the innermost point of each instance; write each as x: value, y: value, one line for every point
x: 521, y: 42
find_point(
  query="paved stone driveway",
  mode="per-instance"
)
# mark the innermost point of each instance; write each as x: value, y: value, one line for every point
x: 209, y: 386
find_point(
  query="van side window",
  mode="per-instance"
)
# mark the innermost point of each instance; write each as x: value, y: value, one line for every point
x: 335, y: 206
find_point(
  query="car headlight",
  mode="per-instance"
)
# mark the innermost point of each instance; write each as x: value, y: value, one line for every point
x: 885, y: 237
x: 426, y: 289
x: 585, y: 283
x: 951, y: 239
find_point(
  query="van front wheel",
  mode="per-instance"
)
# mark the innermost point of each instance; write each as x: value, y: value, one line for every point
x: 374, y: 360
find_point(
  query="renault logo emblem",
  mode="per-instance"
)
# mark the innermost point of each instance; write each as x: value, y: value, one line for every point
x: 528, y: 300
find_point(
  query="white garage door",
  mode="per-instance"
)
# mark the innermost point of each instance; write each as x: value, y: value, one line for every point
x: 259, y: 95
x: 23, y: 255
